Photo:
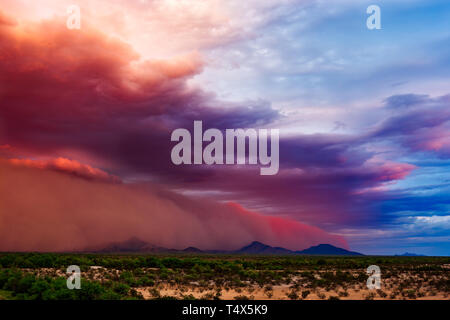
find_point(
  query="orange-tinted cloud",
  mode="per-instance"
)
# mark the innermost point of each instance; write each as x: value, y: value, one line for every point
x: 83, y: 74
x: 7, y: 20
x: 70, y: 89
x: 68, y: 166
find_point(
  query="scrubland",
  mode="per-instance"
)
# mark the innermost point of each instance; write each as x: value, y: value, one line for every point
x: 189, y: 277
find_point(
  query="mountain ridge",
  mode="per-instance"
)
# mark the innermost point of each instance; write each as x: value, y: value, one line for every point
x: 136, y: 245
x: 409, y: 254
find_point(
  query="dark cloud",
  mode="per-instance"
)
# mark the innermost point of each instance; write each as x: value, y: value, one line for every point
x: 53, y: 211
x: 423, y: 126
x: 405, y: 100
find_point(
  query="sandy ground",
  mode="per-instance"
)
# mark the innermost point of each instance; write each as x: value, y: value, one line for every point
x: 278, y: 293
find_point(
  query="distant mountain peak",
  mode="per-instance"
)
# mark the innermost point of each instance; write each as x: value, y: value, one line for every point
x: 325, y: 245
x: 257, y: 243
x: 136, y: 245
x: 257, y: 247
x: 133, y: 244
x: 409, y: 254
x: 328, y: 249
x: 192, y: 249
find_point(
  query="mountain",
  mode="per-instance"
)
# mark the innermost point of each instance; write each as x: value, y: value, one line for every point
x: 132, y: 245
x: 328, y: 249
x: 136, y: 245
x: 260, y: 248
x: 192, y: 250
x: 322, y: 249
x: 408, y: 254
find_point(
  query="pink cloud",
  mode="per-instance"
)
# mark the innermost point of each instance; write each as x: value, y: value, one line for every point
x: 390, y: 171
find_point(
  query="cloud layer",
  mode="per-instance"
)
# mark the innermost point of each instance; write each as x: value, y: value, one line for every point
x: 362, y: 148
x: 53, y: 211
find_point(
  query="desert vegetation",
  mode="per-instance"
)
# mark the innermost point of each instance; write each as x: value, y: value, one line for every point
x: 190, y: 276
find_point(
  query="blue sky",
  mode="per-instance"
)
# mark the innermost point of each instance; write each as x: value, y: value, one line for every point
x: 319, y: 65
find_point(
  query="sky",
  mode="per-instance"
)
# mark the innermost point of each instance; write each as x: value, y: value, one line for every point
x: 86, y: 117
